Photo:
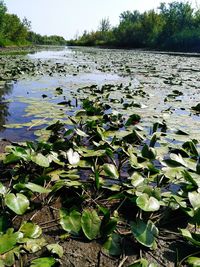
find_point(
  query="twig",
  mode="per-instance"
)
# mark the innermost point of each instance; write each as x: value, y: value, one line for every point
x: 90, y: 197
x: 99, y: 259
x: 34, y: 215
x: 49, y: 226
x: 123, y: 261
x: 54, y: 208
x: 151, y: 254
x: 124, y: 233
x: 10, y: 183
x: 141, y: 253
x: 14, y: 218
x: 43, y: 223
x: 121, y: 204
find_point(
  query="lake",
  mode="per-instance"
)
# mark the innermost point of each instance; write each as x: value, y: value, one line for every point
x: 40, y: 88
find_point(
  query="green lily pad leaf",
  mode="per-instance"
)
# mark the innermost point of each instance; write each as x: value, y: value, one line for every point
x: 147, y: 203
x: 44, y: 262
x: 34, y: 245
x: 101, y: 132
x: 113, y: 187
x: 72, y: 183
x: 9, y: 257
x: 134, y: 137
x: 108, y: 224
x: 136, y: 179
x: 90, y: 223
x: 194, y: 198
x: 175, y: 161
x: 197, y: 107
x: 56, y: 249
x: 80, y: 113
x: 180, y: 200
x: 30, y: 230
x: 191, y: 164
x: 18, y: 151
x: 113, y: 245
x: 55, y: 175
x: 195, y: 220
x: 148, y: 152
x: 19, y: 203
x: 153, y: 140
x: 86, y: 153
x: 54, y: 157
x: 37, y: 188
x: 191, y: 147
x: 193, y: 261
x: 111, y: 170
x: 10, y: 158
x: 81, y: 133
x: 9, y: 240
x: 189, y: 178
x: 145, y: 233
x: 73, y: 157
x: 3, y: 189
x: 70, y: 222
x: 140, y: 263
x: 192, y: 237
x: 71, y: 174
x: 133, y: 119
x: 134, y: 162
x: 173, y: 172
x: 181, y: 132
x: 40, y: 160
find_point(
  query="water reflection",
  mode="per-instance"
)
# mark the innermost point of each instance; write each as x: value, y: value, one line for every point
x: 5, y: 89
x: 56, y: 53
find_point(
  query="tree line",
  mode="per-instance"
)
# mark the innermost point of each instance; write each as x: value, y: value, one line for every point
x: 173, y: 26
x: 14, y: 31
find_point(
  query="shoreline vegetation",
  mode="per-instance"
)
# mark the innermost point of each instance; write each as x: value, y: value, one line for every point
x: 172, y: 27
x: 15, y: 32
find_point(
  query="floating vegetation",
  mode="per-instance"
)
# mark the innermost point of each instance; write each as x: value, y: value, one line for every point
x: 116, y: 162
x: 108, y: 184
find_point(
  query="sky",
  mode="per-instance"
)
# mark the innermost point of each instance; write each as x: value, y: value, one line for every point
x: 69, y: 18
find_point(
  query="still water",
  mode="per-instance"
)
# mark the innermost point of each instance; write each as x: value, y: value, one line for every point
x: 17, y: 98
x: 146, y: 80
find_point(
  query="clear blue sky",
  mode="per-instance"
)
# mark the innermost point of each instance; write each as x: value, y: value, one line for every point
x: 71, y: 17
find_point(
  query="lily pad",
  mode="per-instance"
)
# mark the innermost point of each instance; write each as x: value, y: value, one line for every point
x: 145, y: 233
x: 19, y: 203
x: 148, y: 203
x: 90, y: 223
x: 44, y: 262
x: 70, y: 222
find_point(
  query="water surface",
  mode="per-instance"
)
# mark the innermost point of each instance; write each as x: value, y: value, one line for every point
x: 145, y: 79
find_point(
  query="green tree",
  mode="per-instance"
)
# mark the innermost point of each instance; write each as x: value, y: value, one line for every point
x: 177, y: 16
x: 175, y: 26
x: 129, y: 32
x: 3, y: 10
x: 13, y: 29
x: 151, y: 26
x: 104, y: 25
